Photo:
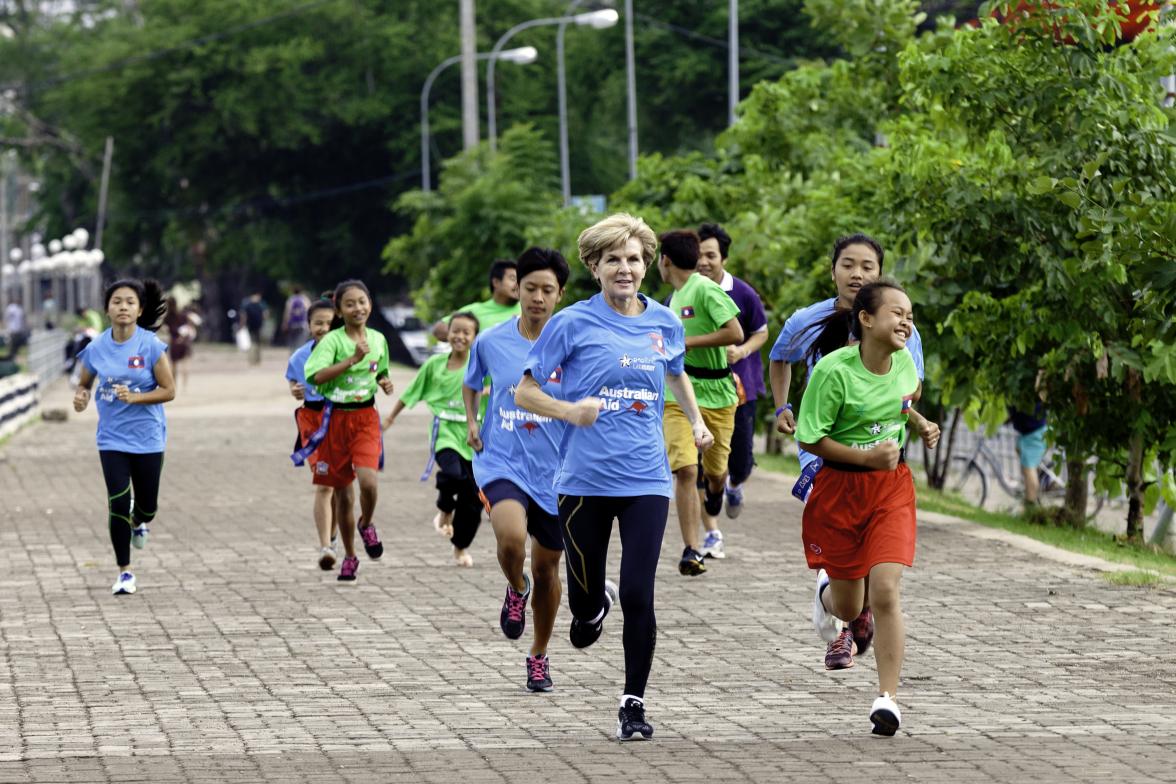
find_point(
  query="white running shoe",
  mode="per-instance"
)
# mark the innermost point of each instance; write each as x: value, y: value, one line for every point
x: 827, y: 625
x: 712, y: 546
x: 327, y: 558
x: 124, y: 584
x: 139, y: 536
x: 885, y: 715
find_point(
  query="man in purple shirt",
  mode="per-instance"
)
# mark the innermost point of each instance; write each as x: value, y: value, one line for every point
x: 744, y: 358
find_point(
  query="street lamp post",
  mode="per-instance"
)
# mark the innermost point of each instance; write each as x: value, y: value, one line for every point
x: 523, y: 56
x: 596, y: 19
x: 631, y: 91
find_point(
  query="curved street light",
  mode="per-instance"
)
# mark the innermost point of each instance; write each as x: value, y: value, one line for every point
x: 598, y: 20
x: 524, y: 55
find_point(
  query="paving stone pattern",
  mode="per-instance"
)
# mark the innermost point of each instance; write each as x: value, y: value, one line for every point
x: 239, y: 660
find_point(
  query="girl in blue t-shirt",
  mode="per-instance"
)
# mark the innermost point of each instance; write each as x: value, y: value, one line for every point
x: 615, y: 353
x: 134, y: 381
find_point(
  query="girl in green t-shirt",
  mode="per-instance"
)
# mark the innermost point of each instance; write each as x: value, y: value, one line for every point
x: 859, y: 522
x: 438, y: 383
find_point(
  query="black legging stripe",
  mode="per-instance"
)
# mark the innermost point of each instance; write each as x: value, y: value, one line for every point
x: 586, y: 524
x: 129, y: 476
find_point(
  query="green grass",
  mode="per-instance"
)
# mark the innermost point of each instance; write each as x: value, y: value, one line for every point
x: 1135, y: 577
x: 1147, y: 559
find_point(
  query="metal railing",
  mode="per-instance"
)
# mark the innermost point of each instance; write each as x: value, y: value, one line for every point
x: 46, y: 355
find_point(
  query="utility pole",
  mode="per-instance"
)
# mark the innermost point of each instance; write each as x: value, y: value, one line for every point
x: 631, y: 82
x: 469, y: 76
x: 732, y: 59
x: 102, y: 191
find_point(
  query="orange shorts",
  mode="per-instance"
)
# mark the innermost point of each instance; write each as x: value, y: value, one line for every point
x: 353, y: 441
x: 308, y: 421
x: 854, y: 521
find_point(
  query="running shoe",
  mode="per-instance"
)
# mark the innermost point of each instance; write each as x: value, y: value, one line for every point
x: 839, y: 654
x: 371, y: 541
x: 692, y: 563
x: 734, y: 501
x: 712, y: 503
x: 826, y: 624
x: 124, y: 584
x: 538, y: 673
x: 513, y: 618
x: 327, y: 558
x: 348, y: 569
x: 139, y: 536
x: 584, y: 633
x: 863, y: 630
x: 631, y: 723
x: 885, y: 715
x: 712, y: 546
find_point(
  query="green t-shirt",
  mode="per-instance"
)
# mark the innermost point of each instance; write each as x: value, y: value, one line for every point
x: 854, y: 407
x: 704, y: 307
x: 359, y: 382
x: 489, y: 313
x: 440, y: 389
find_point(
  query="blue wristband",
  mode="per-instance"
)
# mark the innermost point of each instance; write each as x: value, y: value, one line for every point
x: 783, y: 408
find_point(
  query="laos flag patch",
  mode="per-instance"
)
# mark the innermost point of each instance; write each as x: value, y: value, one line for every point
x: 687, y: 312
x: 136, y: 363
x: 906, y: 404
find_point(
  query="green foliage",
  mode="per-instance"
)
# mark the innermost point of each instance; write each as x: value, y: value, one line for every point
x: 482, y: 210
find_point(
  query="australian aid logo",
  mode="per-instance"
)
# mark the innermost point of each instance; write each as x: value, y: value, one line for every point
x: 626, y: 399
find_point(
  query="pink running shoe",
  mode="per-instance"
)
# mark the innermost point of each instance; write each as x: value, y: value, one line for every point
x: 348, y: 569
x: 863, y: 630
x: 538, y: 673
x: 371, y: 541
x: 839, y: 654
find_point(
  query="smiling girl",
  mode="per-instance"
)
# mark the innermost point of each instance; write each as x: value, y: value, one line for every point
x: 347, y: 366
x: 439, y: 384
x: 134, y: 380
x: 859, y: 522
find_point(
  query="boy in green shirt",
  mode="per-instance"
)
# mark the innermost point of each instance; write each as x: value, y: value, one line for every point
x: 710, y: 317
x: 439, y: 383
x: 502, y: 305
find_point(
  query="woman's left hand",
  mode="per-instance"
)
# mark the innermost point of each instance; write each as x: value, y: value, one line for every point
x: 123, y: 393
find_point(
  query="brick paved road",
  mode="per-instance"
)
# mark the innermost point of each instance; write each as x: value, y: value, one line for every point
x: 240, y: 661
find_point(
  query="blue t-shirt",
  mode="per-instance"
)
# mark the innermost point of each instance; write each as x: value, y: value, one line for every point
x: 596, y: 352
x: 800, y: 332
x: 296, y: 371
x: 516, y: 444
x: 126, y: 427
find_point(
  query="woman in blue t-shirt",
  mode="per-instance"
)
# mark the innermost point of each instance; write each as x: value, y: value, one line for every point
x: 134, y: 380
x: 614, y: 355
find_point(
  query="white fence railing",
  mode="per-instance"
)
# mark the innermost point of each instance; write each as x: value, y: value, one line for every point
x: 19, y: 400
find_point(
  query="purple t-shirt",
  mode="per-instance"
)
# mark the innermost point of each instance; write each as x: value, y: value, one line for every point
x: 752, y: 318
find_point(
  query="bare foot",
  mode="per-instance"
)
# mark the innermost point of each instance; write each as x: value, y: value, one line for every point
x: 443, y: 524
x: 462, y: 558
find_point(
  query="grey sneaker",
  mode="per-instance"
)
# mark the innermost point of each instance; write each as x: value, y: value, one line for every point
x: 139, y: 536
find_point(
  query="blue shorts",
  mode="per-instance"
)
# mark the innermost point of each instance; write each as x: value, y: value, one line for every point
x: 541, y: 525
x: 1031, y: 447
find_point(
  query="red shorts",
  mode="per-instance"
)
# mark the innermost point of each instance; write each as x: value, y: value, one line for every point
x: 308, y: 421
x: 353, y: 441
x: 854, y: 521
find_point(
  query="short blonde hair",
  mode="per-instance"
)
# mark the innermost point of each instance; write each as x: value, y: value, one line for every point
x: 615, y: 230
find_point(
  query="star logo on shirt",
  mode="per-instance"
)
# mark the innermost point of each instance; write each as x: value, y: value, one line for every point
x: 875, y: 429
x: 626, y: 361
x: 511, y: 390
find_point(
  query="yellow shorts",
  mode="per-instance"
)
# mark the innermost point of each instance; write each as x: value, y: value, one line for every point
x: 680, y: 438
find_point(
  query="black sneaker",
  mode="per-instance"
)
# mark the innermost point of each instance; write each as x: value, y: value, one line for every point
x: 538, y: 673
x: 712, y: 503
x: 631, y: 723
x: 692, y: 563
x: 513, y: 618
x: 371, y: 541
x: 584, y: 633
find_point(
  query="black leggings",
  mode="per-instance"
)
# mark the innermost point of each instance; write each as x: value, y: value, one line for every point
x: 457, y: 492
x: 742, y: 458
x: 124, y: 470
x: 586, y: 525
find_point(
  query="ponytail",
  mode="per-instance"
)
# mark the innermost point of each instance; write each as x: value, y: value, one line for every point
x: 838, y: 327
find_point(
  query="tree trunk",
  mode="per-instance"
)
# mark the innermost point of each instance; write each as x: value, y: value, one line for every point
x: 1074, y: 511
x: 937, y: 469
x: 1135, y: 488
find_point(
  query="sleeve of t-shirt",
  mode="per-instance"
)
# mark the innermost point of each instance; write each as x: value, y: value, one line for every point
x: 323, y: 356
x: 85, y: 356
x: 820, y: 405
x: 416, y: 391
x: 756, y: 316
x: 476, y: 370
x: 382, y: 358
x: 551, y: 349
x: 676, y: 349
x: 156, y: 348
x: 915, y: 346
x: 291, y: 368
x: 719, y: 304
x: 783, y: 349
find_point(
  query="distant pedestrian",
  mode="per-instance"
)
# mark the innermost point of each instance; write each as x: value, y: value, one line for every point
x: 15, y: 327
x: 309, y: 418
x: 134, y: 381
x: 181, y: 335
x: 1031, y: 430
x: 253, y: 311
x: 439, y: 384
x: 294, y: 322
x: 347, y: 366
x: 858, y: 527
